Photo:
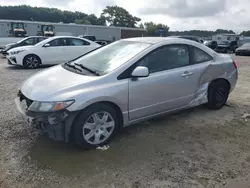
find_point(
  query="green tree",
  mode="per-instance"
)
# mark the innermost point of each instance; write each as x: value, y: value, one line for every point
x: 201, y: 33
x: 92, y: 19
x: 101, y: 21
x: 152, y: 28
x: 141, y: 26
x: 245, y: 33
x: 224, y: 31
x: 83, y: 21
x: 118, y: 16
x: 24, y: 12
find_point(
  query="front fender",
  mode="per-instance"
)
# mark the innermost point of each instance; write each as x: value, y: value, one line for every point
x: 116, y: 92
x: 84, y: 105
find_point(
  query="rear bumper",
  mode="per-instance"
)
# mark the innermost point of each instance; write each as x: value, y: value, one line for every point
x: 56, y: 124
x: 233, y: 79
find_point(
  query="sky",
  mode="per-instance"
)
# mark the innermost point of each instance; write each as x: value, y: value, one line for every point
x: 177, y: 14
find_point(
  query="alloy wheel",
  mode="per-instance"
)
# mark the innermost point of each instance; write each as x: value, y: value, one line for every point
x: 98, y: 127
x: 32, y: 62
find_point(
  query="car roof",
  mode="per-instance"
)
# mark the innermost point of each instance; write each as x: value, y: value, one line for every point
x: 57, y: 37
x: 155, y: 40
x: 36, y: 37
x: 169, y: 40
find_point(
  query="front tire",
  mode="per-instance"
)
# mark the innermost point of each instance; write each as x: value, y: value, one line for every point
x: 95, y: 126
x: 31, y: 62
x: 218, y: 92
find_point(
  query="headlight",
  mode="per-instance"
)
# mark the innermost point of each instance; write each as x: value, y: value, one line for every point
x: 16, y: 52
x: 50, y: 106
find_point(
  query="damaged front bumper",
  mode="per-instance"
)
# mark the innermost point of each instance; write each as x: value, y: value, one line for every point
x: 56, y: 124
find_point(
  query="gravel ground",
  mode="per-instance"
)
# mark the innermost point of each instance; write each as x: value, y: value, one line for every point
x: 193, y: 148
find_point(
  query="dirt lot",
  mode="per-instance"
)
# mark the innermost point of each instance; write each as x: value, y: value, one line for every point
x: 194, y: 148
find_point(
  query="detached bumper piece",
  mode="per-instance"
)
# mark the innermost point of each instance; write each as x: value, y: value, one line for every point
x: 56, y: 124
x: 50, y: 123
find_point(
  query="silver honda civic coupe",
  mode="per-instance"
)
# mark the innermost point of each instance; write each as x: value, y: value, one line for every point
x: 87, y: 100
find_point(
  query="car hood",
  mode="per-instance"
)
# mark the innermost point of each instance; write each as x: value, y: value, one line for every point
x: 20, y: 48
x: 56, y: 81
x: 11, y: 44
x: 243, y: 48
x: 7, y: 46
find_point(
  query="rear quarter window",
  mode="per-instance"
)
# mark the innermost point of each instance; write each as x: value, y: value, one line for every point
x: 200, y: 56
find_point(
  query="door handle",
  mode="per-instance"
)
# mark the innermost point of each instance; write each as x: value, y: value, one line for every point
x: 186, y: 73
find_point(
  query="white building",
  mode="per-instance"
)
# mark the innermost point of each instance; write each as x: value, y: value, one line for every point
x: 100, y: 32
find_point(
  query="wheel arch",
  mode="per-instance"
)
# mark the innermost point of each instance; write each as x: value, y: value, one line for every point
x: 33, y: 55
x: 112, y: 104
x: 220, y: 79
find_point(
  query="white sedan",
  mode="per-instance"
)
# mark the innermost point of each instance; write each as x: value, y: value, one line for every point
x: 54, y: 50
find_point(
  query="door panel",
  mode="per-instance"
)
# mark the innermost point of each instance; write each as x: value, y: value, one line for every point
x: 52, y: 55
x: 161, y: 91
x: 171, y: 84
x: 75, y: 51
x: 55, y: 53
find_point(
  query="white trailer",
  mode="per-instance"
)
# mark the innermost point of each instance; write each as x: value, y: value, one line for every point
x: 219, y: 38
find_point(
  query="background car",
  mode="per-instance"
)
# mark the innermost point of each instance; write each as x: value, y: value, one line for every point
x: 189, y: 37
x: 51, y: 51
x: 91, y: 98
x: 243, y: 50
x: 211, y: 44
x: 24, y: 42
x: 226, y: 47
x: 89, y: 37
x: 102, y: 43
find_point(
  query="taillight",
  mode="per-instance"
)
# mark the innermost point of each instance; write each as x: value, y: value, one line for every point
x: 235, y: 65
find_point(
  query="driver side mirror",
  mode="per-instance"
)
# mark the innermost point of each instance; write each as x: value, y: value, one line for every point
x: 46, y: 45
x: 140, y: 71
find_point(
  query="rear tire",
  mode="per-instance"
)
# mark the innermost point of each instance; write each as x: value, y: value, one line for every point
x: 218, y: 92
x: 92, y: 129
x: 31, y: 62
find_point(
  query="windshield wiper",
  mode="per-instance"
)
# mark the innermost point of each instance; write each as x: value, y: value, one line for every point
x: 72, y: 66
x: 88, y: 69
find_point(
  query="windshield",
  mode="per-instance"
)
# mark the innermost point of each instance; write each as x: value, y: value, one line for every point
x: 110, y: 57
x: 47, y: 28
x: 43, y: 41
x: 17, y: 25
x: 20, y: 41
